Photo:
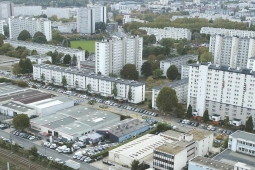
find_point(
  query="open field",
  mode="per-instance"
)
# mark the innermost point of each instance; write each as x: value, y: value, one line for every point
x: 85, y: 45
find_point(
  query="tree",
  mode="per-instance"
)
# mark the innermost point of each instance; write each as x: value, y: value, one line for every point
x: 22, y: 66
x: 39, y: 37
x: 53, y: 80
x: 129, y: 72
x: 225, y: 144
x: 34, y: 52
x: 189, y: 112
x: 67, y: 59
x: 21, y: 121
x: 134, y: 165
x: 150, y: 82
x: 29, y: 66
x: 130, y: 94
x: 166, y: 99
x: 249, y: 125
x: 226, y: 121
x: 64, y: 81
x: 76, y: 84
x: 89, y: 87
x: 74, y: 60
x: 24, y: 35
x: 33, y: 151
x: 146, y: 69
x: 158, y: 72
x: 162, y: 127
x: 42, y: 77
x: 206, y: 57
x: 1, y: 40
x: 16, y: 69
x: 179, y: 110
x: 206, y: 116
x: 115, y: 90
x: 172, y: 72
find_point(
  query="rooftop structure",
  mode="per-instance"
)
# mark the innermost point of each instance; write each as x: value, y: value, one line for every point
x: 17, y: 106
x: 75, y: 121
x: 172, y: 148
x: 7, y: 89
x: 243, y: 135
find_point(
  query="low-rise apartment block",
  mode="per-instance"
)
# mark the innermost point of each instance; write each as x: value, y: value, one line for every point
x: 227, y: 32
x: 168, y: 32
x: 177, y: 61
x: 32, y: 25
x: 223, y: 91
x: 180, y: 87
x: 128, y: 18
x: 101, y: 85
x: 40, y: 59
x: 44, y: 48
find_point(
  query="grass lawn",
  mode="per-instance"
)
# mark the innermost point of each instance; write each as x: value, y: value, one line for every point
x: 85, y: 45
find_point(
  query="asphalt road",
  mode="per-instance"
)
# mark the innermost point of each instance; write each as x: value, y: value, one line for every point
x: 49, y: 152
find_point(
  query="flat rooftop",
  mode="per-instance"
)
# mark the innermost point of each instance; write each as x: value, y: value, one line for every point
x: 227, y: 156
x: 75, y: 119
x: 199, y: 134
x: 125, y: 127
x: 173, y: 148
x: 8, y: 88
x: 212, y: 163
x: 244, y: 135
x: 172, y: 133
x: 17, y: 106
x: 141, y: 147
x: 50, y: 102
x: 23, y: 95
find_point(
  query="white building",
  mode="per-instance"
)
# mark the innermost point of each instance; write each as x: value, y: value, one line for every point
x: 64, y: 27
x: 39, y: 59
x: 27, y: 10
x: 100, y: 84
x: 1, y: 27
x: 177, y: 61
x: 128, y: 18
x: 231, y: 50
x: 60, y: 12
x: 6, y: 9
x: 185, y: 71
x: 223, y: 91
x: 32, y: 25
x: 251, y: 63
x: 126, y: 7
x: 112, y: 54
x: 15, y: 108
x: 138, y: 149
x: 227, y: 32
x: 99, y: 12
x: 202, y: 163
x: 168, y: 32
x: 164, y: 2
x: 51, y: 105
x: 44, y: 48
x: 180, y: 87
x: 242, y: 142
x: 74, y: 122
x: 85, y: 21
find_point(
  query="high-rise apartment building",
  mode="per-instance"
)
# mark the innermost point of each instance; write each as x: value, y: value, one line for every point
x: 112, y: 54
x: 6, y: 9
x: 227, y: 32
x: 32, y: 25
x: 100, y: 12
x: 60, y: 12
x: 27, y: 10
x: 231, y: 50
x: 223, y: 91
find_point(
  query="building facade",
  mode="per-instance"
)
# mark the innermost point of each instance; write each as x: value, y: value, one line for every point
x: 177, y: 61
x: 180, y: 87
x: 60, y: 12
x: 127, y: 6
x: 128, y: 18
x: 168, y: 32
x: 100, y: 12
x: 227, y: 32
x: 99, y: 84
x: 112, y: 54
x: 32, y: 25
x: 40, y: 59
x: 6, y: 9
x: 185, y: 72
x: 27, y: 10
x: 44, y: 48
x: 231, y: 50
x: 221, y: 90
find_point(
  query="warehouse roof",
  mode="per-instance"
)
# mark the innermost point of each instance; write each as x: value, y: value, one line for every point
x: 141, y: 147
x: 17, y: 106
x: 7, y: 88
x: 50, y: 102
x: 125, y: 127
x: 244, y: 135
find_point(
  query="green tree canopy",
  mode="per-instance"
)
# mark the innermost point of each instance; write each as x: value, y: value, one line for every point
x: 115, y: 90
x: 206, y: 57
x: 1, y: 40
x: 129, y: 72
x: 206, y: 116
x: 249, y: 125
x: 24, y: 35
x: 39, y: 37
x: 21, y: 121
x: 89, y: 87
x: 166, y: 99
x: 226, y: 122
x: 33, y: 151
x: 158, y: 72
x: 67, y: 59
x: 172, y: 72
x: 189, y: 112
x: 29, y: 66
x: 179, y: 110
x: 134, y: 165
x: 64, y: 81
x: 146, y: 69
x: 130, y: 97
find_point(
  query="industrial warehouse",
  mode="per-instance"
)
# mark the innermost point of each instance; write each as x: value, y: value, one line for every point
x: 74, y: 122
